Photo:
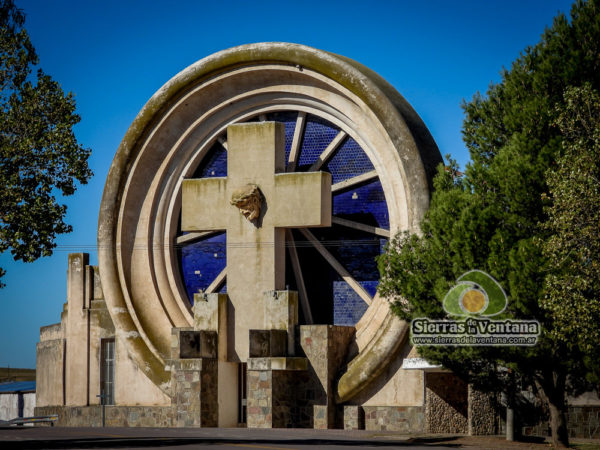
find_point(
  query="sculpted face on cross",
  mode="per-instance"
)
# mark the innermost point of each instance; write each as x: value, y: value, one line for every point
x: 248, y: 200
x: 254, y: 204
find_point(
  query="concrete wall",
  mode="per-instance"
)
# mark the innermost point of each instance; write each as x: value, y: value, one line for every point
x: 50, y: 366
x: 128, y: 375
x: 9, y: 405
x: 68, y: 354
x: 394, y: 386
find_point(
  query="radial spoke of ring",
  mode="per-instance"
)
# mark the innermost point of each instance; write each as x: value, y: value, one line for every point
x: 217, y: 282
x: 296, y: 142
x: 190, y: 238
x: 299, y: 278
x: 222, y: 141
x: 342, y: 272
x: 328, y: 152
x: 361, y: 226
x: 354, y: 180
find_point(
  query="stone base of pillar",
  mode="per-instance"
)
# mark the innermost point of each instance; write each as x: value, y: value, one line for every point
x: 194, y: 377
x: 195, y: 392
x: 325, y: 347
x: 276, y: 391
x: 354, y: 417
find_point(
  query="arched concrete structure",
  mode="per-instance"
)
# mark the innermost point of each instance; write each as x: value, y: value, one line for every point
x: 174, y: 130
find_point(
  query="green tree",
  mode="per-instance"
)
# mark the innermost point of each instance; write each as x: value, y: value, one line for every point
x: 492, y: 217
x: 40, y: 157
x: 572, y: 292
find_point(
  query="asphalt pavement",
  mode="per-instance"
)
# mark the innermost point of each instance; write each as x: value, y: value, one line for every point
x: 235, y: 438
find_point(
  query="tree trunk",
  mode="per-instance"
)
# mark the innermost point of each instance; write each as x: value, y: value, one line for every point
x: 558, y: 425
x: 552, y: 389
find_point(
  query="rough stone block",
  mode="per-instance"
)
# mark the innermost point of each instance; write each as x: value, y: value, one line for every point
x: 354, y: 417
x: 281, y: 313
x: 187, y: 343
x: 210, y: 314
x: 320, y: 416
x: 266, y: 343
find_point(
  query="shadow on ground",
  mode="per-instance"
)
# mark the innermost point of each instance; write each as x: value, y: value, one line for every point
x: 107, y: 442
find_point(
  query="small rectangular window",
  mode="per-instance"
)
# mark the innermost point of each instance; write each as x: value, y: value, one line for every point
x: 107, y: 371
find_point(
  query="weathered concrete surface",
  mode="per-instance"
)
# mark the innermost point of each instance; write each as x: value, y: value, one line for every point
x: 77, y: 337
x: 9, y: 405
x: 49, y: 366
x: 393, y: 385
x: 211, y: 314
x: 138, y: 217
x: 326, y: 347
x: 255, y: 249
x: 281, y: 313
x: 70, y: 350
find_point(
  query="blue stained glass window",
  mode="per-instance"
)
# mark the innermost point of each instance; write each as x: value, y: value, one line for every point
x: 318, y: 134
x: 349, y: 161
x: 214, y: 164
x: 201, y: 262
x: 365, y: 203
x: 289, y: 120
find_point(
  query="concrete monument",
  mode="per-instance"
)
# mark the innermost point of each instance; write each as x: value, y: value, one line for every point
x: 236, y: 240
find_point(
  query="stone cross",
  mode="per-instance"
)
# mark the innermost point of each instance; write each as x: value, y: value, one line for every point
x: 255, y: 239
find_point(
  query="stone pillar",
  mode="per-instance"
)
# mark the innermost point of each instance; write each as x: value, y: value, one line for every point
x: 210, y: 314
x: 325, y: 347
x: 281, y: 313
x: 482, y: 413
x: 277, y: 380
x: 77, y: 336
x: 194, y: 377
x: 276, y: 388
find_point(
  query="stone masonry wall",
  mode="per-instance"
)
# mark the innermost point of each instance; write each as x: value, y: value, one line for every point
x: 405, y: 419
x: 446, y: 404
x: 116, y: 416
x: 259, y: 400
x: 482, y: 413
x: 279, y: 399
x: 196, y: 390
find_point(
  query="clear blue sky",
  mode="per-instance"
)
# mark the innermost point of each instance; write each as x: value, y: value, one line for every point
x: 115, y: 54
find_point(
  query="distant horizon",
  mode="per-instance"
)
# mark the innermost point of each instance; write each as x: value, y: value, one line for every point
x: 115, y: 55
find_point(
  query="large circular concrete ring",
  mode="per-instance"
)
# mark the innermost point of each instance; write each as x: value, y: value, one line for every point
x: 173, y: 131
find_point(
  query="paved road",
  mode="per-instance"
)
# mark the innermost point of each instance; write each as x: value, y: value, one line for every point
x: 241, y: 438
x: 221, y: 438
